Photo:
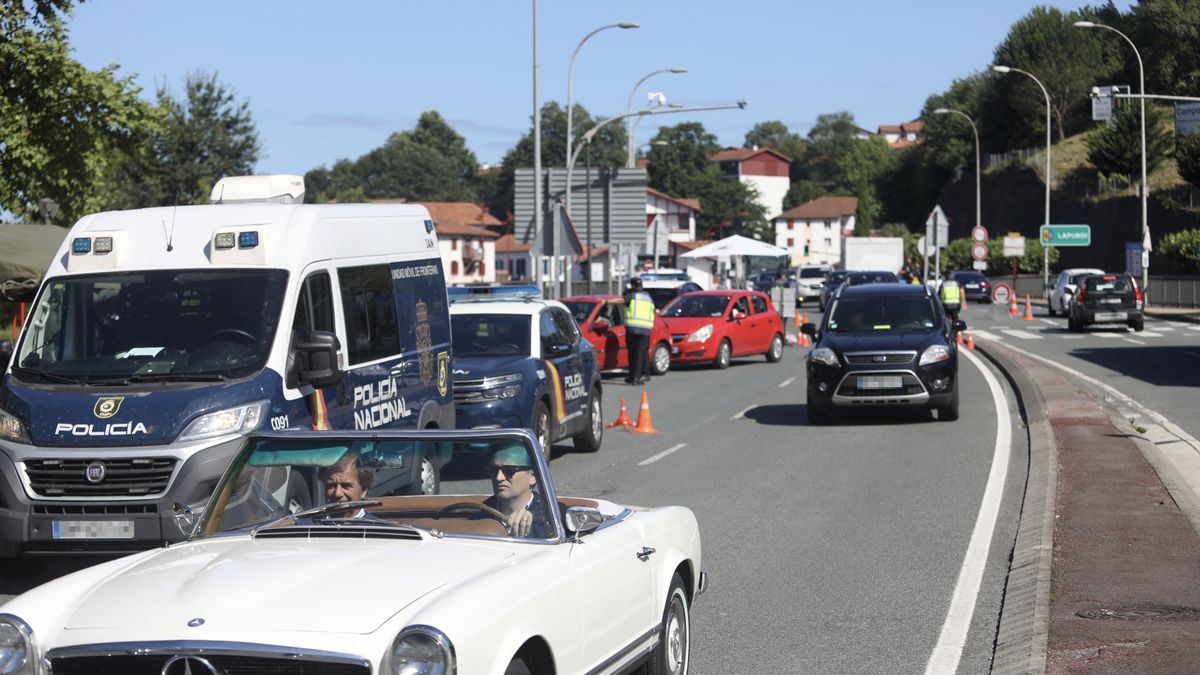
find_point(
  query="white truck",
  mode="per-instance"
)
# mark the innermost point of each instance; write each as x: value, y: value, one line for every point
x: 873, y: 253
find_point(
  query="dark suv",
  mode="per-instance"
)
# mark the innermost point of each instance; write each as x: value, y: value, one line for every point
x: 1106, y: 298
x: 976, y: 287
x: 883, y: 345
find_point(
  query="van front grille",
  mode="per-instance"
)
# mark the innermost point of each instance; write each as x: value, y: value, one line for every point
x: 125, y: 477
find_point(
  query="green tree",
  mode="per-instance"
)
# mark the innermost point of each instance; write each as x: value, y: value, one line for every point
x: 1187, y: 154
x: 1117, y: 149
x: 60, y: 124
x: 206, y: 135
x: 859, y: 172
x: 1181, y: 248
x: 1166, y: 32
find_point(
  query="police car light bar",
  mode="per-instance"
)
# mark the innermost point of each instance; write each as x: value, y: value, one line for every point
x: 498, y: 292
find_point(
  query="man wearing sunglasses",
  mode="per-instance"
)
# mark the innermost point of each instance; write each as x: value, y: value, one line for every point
x: 514, y: 493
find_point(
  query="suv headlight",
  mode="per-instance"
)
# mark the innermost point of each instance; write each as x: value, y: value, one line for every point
x: 934, y: 354
x: 239, y: 420
x: 17, y: 653
x: 825, y: 356
x: 504, y: 386
x: 702, y: 334
x: 12, y: 428
x: 422, y: 650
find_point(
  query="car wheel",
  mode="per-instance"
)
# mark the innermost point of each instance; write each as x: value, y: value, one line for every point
x: 1073, y: 326
x: 298, y: 495
x: 1050, y: 307
x: 589, y: 439
x: 517, y: 667
x: 949, y: 413
x: 660, y: 360
x: 724, y: 352
x: 1138, y: 325
x: 541, y: 426
x: 775, y: 352
x: 674, y: 646
x: 428, y: 481
x: 818, y: 415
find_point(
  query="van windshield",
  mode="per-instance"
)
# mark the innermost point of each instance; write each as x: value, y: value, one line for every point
x: 168, y: 325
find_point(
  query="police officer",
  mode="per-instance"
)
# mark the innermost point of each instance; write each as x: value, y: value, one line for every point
x: 951, y: 296
x: 639, y: 321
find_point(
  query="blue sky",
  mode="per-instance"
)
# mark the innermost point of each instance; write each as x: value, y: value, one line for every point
x: 331, y: 80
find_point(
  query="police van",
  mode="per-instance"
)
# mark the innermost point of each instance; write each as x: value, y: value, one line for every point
x: 521, y: 362
x: 160, y: 337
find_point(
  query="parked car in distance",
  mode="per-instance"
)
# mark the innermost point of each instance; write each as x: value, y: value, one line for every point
x: 716, y: 326
x: 811, y: 280
x: 832, y: 282
x: 976, y: 287
x: 663, y: 291
x: 601, y: 319
x: 1106, y: 298
x: 1065, y: 287
x: 602, y: 587
x: 858, y: 278
x: 882, y: 345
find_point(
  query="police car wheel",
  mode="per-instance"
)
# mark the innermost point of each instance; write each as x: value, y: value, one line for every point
x: 775, y: 352
x: 724, y: 352
x: 589, y: 439
x: 428, y: 482
x: 661, y: 361
x: 541, y: 426
x: 298, y: 498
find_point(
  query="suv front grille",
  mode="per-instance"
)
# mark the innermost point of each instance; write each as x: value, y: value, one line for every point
x: 865, y: 358
x: 126, y: 477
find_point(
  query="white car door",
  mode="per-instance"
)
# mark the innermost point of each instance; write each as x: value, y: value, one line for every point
x: 616, y: 597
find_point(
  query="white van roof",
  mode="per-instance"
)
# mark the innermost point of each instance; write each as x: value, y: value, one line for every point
x: 243, y: 235
x: 266, y: 189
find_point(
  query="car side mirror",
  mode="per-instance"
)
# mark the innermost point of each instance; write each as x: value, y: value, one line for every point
x: 601, y: 325
x: 558, y: 348
x: 185, y: 518
x: 1068, y: 290
x: 317, y: 359
x: 809, y: 329
x: 583, y: 519
x: 959, y: 325
x: 6, y: 352
x: 737, y: 315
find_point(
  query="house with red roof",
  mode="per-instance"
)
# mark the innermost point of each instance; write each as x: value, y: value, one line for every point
x: 467, y: 246
x: 514, y: 259
x: 813, y: 231
x: 902, y: 135
x: 764, y: 169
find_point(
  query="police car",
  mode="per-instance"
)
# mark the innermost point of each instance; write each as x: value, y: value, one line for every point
x: 521, y: 362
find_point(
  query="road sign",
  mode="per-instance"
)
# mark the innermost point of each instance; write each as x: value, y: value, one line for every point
x: 1133, y: 258
x: 979, y: 251
x: 1001, y: 294
x: 938, y: 219
x: 979, y: 233
x: 1066, y: 235
x: 980, y: 265
x: 1014, y: 246
x: 1187, y: 118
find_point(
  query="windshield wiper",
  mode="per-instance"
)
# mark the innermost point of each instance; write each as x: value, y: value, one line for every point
x: 49, y: 377
x: 177, y: 377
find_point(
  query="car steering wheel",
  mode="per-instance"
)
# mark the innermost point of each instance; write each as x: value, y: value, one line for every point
x: 473, y: 506
x: 234, y: 332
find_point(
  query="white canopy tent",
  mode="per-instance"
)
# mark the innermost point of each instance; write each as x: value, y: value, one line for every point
x: 735, y: 249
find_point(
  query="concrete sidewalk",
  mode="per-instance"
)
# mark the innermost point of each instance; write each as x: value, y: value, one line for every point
x: 1105, y: 575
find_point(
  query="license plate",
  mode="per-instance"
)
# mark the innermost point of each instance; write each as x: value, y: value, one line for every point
x: 973, y: 286
x: 1111, y: 316
x: 880, y: 382
x: 93, y: 529
x: 1111, y: 301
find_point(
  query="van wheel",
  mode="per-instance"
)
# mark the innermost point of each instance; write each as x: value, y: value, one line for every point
x: 660, y: 360
x: 428, y: 481
x: 541, y: 426
x: 674, y: 645
x: 298, y: 496
x: 775, y: 352
x: 589, y: 439
x: 517, y: 667
x: 724, y: 352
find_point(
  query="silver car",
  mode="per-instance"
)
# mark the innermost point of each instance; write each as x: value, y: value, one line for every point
x: 1065, y: 287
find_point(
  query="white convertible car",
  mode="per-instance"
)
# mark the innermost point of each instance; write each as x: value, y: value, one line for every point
x: 497, y: 574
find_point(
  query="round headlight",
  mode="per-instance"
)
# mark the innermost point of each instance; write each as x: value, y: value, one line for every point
x: 422, y: 650
x: 16, y: 645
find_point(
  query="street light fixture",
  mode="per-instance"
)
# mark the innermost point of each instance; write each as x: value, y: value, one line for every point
x: 949, y: 111
x: 1045, y: 250
x: 1142, y: 92
x: 629, y: 163
x: 624, y: 25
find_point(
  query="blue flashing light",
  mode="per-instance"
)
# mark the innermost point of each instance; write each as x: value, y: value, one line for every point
x: 247, y: 239
x: 429, y: 226
x: 511, y: 291
x: 81, y: 245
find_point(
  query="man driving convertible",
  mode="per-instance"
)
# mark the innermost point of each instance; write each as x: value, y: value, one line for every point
x: 514, y: 492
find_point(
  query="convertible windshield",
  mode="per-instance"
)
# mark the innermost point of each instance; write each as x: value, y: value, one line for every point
x: 697, y: 305
x: 154, y: 325
x: 580, y: 310
x: 490, y: 334
x: 278, y: 486
x: 882, y: 314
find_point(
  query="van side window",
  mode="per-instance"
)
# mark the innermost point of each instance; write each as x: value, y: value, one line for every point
x: 420, y: 289
x: 370, y: 310
x: 314, y: 307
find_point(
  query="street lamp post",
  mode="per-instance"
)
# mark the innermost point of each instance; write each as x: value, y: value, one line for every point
x: 1142, y: 92
x: 570, y: 73
x: 949, y: 111
x: 629, y: 162
x: 537, y: 154
x: 1045, y: 250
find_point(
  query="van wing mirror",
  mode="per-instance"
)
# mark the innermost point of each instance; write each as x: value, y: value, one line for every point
x: 317, y: 356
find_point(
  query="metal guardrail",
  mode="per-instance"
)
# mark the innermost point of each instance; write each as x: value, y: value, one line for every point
x: 1163, y: 290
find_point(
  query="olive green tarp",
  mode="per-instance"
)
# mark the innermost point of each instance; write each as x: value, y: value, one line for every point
x: 25, y: 254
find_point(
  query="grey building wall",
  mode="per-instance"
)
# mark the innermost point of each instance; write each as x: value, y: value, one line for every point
x: 618, y: 206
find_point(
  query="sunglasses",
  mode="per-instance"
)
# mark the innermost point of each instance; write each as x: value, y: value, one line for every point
x: 509, y: 470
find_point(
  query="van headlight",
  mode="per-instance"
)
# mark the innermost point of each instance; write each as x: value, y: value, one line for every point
x: 16, y: 645
x: 422, y: 650
x: 240, y: 420
x: 825, y: 356
x: 702, y: 334
x: 934, y: 354
x: 12, y: 428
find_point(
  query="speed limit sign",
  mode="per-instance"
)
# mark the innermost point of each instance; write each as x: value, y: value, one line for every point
x: 1000, y: 294
x: 979, y: 234
x: 979, y: 251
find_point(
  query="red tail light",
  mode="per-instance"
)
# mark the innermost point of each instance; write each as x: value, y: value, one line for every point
x: 1137, y: 292
x: 1082, y: 295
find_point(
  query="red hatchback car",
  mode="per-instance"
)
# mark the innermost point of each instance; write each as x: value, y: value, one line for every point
x: 715, y: 326
x: 601, y: 319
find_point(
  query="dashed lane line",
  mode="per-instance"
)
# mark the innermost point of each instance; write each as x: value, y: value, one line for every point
x: 1111, y: 336
x: 1149, y: 333
x: 1052, y: 322
x: 985, y: 335
x: 786, y: 382
x: 664, y: 453
x: 1136, y: 342
x: 742, y: 414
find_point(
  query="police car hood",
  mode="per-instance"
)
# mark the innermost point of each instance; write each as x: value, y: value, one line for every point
x: 873, y: 342
x: 240, y: 583
x: 478, y: 367
x: 143, y: 414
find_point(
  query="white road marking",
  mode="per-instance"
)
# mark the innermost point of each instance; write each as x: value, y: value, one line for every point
x: 985, y: 335
x: 1136, y: 342
x: 786, y: 382
x: 1071, y: 337
x: 1111, y: 336
x: 1149, y: 333
x: 1052, y: 322
x: 1193, y: 327
x: 742, y: 414
x: 950, y: 642
x: 664, y: 453
x: 1163, y: 327
x: 1024, y: 335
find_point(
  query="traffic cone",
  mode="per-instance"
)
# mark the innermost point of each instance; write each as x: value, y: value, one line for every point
x: 644, y: 426
x: 802, y: 340
x: 1028, y: 309
x: 958, y: 337
x: 796, y: 320
x: 806, y: 317
x: 970, y: 341
x: 622, y: 419
x: 1012, y: 306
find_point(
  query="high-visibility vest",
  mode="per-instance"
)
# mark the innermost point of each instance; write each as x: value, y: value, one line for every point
x: 639, y: 313
x: 951, y: 295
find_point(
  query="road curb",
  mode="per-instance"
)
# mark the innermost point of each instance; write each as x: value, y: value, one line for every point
x: 1024, y: 628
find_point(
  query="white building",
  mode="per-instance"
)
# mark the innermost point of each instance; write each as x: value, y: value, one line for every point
x: 668, y: 219
x: 902, y: 135
x: 468, y: 247
x: 761, y: 168
x: 813, y: 231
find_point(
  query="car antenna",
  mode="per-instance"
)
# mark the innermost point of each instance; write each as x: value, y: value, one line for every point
x: 171, y: 235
